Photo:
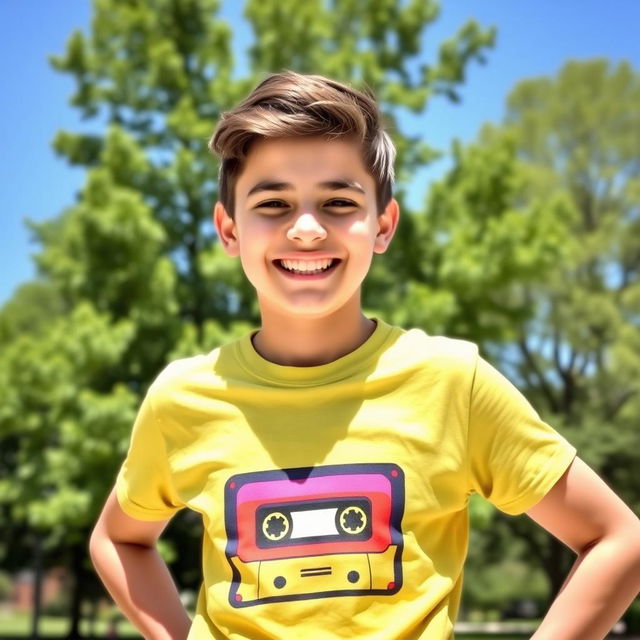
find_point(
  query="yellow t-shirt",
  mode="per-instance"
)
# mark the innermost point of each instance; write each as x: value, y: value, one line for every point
x: 334, y: 497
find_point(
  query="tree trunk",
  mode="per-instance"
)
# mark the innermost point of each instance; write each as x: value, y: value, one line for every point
x: 558, y: 566
x: 93, y: 618
x: 37, y: 586
x: 77, y: 567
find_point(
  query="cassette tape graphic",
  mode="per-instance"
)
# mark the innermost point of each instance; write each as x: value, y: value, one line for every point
x: 314, y: 533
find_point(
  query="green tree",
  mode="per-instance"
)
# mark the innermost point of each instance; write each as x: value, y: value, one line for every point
x: 60, y: 427
x: 132, y: 269
x: 530, y: 248
x: 579, y: 356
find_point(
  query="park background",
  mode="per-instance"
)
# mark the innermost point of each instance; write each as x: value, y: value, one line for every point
x: 518, y: 130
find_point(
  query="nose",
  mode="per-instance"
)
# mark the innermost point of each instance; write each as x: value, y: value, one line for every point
x: 306, y: 228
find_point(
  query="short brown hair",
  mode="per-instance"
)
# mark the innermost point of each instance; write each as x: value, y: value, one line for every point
x: 289, y: 104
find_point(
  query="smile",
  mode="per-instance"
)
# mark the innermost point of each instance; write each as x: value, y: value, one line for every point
x: 307, y: 267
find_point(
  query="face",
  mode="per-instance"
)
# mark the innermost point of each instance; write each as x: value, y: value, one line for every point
x: 306, y: 225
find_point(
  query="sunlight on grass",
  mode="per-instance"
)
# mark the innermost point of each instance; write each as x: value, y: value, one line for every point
x: 18, y: 623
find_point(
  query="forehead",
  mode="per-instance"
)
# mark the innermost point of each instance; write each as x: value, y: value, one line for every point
x: 303, y: 162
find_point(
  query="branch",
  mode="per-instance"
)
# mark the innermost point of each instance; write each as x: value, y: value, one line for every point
x: 544, y: 386
x: 556, y: 351
x: 572, y: 359
x: 583, y: 367
x: 566, y: 373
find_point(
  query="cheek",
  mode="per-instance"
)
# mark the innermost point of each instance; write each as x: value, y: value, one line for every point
x: 361, y: 230
x: 255, y: 242
x: 253, y: 236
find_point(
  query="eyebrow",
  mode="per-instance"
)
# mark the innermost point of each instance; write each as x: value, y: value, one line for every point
x: 330, y: 185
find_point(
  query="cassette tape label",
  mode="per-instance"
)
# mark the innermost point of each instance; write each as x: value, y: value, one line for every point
x: 304, y: 523
x: 314, y: 533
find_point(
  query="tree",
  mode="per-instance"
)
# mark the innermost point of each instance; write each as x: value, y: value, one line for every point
x: 133, y: 265
x: 580, y: 135
x: 531, y: 250
x: 71, y: 425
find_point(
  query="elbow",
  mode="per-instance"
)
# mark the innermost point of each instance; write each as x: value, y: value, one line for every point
x: 624, y: 542
x: 94, y: 544
x: 622, y: 539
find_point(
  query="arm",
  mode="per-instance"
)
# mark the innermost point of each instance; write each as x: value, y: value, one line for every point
x: 584, y: 513
x: 124, y: 554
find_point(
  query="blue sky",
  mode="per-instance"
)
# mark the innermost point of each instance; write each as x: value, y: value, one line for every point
x: 534, y: 38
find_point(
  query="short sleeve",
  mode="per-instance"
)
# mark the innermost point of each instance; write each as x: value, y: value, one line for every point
x: 144, y: 485
x: 515, y: 458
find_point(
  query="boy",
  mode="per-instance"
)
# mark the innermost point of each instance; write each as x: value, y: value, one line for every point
x: 330, y: 454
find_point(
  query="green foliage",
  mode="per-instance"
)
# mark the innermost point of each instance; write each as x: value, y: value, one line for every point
x: 478, y: 245
x: 534, y: 231
x: 30, y: 310
x: 578, y: 135
x: 480, y: 513
x: 61, y: 423
x: 498, y: 583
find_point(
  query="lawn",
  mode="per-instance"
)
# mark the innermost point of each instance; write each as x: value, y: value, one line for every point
x: 17, y: 625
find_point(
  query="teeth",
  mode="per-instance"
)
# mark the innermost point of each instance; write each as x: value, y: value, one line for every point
x: 307, y: 266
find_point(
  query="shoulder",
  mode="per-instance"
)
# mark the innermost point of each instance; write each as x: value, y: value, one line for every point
x: 441, y: 352
x: 181, y: 371
x: 438, y: 363
x: 185, y: 379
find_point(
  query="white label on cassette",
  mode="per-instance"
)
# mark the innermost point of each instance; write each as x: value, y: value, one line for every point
x: 315, y: 522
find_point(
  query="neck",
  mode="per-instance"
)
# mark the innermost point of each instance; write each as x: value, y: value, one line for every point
x: 307, y: 342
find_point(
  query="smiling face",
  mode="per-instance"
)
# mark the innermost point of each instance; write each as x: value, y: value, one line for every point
x: 305, y: 225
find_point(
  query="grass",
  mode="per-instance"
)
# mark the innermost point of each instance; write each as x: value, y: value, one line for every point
x: 17, y: 624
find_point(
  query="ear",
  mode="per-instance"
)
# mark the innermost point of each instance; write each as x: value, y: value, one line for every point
x: 226, y: 228
x: 387, y: 225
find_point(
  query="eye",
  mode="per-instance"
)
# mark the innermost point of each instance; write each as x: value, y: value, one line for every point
x: 273, y: 205
x: 340, y: 203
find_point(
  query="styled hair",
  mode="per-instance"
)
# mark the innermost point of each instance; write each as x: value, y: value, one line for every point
x: 291, y: 105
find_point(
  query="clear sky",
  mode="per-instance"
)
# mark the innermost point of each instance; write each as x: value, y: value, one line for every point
x: 534, y: 38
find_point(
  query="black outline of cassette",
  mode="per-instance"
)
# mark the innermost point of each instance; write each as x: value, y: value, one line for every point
x: 392, y: 472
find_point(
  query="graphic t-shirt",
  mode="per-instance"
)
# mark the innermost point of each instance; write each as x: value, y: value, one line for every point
x: 334, y: 497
